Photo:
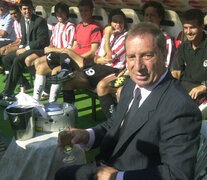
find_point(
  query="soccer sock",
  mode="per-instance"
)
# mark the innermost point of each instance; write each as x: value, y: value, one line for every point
x: 39, y: 85
x: 65, y: 61
x: 6, y: 72
x: 107, y: 104
x: 68, y: 96
x: 54, y: 90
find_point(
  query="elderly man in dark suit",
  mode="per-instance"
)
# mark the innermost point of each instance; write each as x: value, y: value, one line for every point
x: 34, y: 36
x: 154, y: 132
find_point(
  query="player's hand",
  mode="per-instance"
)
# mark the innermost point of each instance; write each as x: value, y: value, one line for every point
x: 20, y: 51
x: 48, y: 50
x: 195, y: 92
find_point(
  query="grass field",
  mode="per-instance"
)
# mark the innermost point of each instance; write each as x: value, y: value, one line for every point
x: 83, y: 104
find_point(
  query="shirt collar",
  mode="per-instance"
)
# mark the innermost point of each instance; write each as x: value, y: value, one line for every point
x: 146, y: 91
x: 26, y: 20
x: 201, y: 45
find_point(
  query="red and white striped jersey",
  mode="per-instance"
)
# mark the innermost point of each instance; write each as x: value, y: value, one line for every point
x: 170, y: 48
x: 62, y: 35
x: 17, y: 29
x: 179, y: 39
x: 118, y: 54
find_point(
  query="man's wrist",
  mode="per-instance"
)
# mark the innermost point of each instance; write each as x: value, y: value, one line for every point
x: 204, y: 83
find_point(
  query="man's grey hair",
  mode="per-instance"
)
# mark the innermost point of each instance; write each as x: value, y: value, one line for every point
x: 148, y: 28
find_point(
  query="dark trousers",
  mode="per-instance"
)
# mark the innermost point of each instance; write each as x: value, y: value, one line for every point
x: 4, y: 43
x: 16, y: 65
x: 77, y: 172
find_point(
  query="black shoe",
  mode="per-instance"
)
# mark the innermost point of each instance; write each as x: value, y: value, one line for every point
x: 62, y: 76
x: 6, y: 76
x: 1, y: 96
x: 7, y: 100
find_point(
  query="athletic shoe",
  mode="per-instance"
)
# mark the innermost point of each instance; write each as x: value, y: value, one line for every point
x: 7, y: 100
x: 120, y: 81
x: 44, y: 97
x: 62, y: 76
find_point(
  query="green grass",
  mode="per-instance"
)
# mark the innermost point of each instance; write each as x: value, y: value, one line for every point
x: 83, y: 104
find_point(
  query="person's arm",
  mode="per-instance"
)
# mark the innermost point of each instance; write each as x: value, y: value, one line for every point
x: 178, y: 64
x: 54, y: 49
x: 74, y: 45
x: 90, y: 54
x: 8, y: 27
x: 102, y: 60
x: 108, y: 32
x: 16, y: 42
x: 176, y: 74
x: 195, y: 92
x: 12, y: 47
x: 113, y: 53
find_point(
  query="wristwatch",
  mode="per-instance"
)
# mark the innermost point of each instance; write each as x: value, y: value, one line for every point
x: 204, y: 83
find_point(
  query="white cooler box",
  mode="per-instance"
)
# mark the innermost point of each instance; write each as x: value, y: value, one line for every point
x: 60, y: 115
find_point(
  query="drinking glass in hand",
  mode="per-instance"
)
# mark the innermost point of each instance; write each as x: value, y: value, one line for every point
x: 65, y: 138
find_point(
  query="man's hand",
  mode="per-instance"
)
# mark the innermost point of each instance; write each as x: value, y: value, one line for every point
x: 105, y: 173
x: 48, y: 49
x: 20, y: 51
x: 195, y: 92
x: 109, y: 30
x: 102, y: 60
x: 2, y: 50
x: 79, y: 136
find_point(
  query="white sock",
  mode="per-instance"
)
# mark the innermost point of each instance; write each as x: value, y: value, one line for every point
x: 6, y: 72
x: 54, y: 90
x: 39, y: 85
x: 64, y: 70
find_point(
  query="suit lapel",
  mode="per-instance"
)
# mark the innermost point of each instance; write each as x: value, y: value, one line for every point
x: 31, y: 25
x: 148, y: 106
x: 122, y: 107
x: 110, y: 138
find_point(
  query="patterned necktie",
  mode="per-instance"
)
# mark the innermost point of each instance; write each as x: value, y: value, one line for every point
x: 131, y: 112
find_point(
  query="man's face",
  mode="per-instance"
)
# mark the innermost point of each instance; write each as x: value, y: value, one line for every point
x: 27, y: 11
x: 15, y: 15
x: 61, y: 15
x: 86, y: 13
x: 146, y: 63
x: 117, y: 23
x: 192, y: 30
x: 151, y: 15
x: 3, y: 10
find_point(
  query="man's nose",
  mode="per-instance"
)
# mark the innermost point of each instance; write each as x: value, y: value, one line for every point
x: 188, y: 31
x: 138, y: 64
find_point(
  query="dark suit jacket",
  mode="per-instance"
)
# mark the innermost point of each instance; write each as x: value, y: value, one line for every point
x: 39, y: 36
x: 162, y: 140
